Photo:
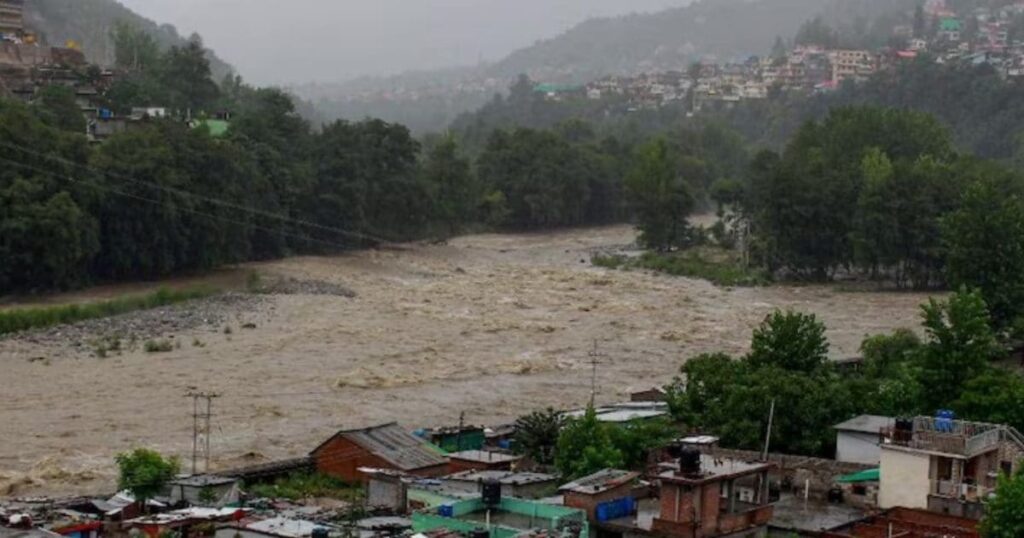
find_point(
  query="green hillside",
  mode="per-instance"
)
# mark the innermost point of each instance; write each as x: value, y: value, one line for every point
x: 89, y: 23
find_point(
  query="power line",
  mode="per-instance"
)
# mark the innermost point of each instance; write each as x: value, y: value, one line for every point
x: 181, y: 209
x: 215, y: 201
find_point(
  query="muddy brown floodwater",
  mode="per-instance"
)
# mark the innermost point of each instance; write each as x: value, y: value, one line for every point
x: 492, y: 325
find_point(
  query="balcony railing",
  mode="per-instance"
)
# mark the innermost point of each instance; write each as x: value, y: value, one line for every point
x: 952, y: 490
x: 962, y: 438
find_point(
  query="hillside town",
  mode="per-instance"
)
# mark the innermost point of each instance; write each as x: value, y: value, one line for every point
x: 28, y: 65
x: 981, y: 37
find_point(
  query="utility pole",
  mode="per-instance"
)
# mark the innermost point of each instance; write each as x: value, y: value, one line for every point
x: 768, y: 435
x: 458, y: 436
x: 205, y: 430
x: 595, y: 359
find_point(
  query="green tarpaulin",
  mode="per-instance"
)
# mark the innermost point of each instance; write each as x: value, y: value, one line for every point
x: 871, y: 475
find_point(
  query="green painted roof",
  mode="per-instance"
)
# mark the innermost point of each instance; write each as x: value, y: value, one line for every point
x: 950, y: 25
x: 557, y: 88
x: 871, y: 475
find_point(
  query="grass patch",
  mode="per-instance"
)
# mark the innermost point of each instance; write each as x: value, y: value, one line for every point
x: 158, y: 346
x: 608, y: 261
x: 23, y: 319
x: 304, y: 485
x: 717, y: 265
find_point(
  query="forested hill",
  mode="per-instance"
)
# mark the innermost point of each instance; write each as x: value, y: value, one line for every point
x: 663, y: 40
x: 673, y: 38
x: 89, y: 23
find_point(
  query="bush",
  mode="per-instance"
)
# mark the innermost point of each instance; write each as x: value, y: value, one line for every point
x: 304, y: 485
x: 23, y: 319
x: 158, y: 346
x: 719, y: 268
x: 608, y: 261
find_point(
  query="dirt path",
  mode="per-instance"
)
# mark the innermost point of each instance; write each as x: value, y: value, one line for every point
x: 493, y: 325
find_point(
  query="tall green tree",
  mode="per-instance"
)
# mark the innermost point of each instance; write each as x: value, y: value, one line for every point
x: 585, y: 446
x: 456, y: 193
x: 1004, y: 514
x: 185, y: 73
x: 661, y: 200
x: 960, y: 345
x: 45, y: 201
x: 144, y: 473
x: 791, y: 341
x: 985, y: 249
x: 134, y: 48
x: 537, y: 435
x: 543, y: 178
x: 57, y: 107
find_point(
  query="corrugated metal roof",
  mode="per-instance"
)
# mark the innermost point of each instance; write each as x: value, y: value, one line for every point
x: 600, y: 481
x: 866, y: 424
x: 395, y: 445
x: 484, y: 456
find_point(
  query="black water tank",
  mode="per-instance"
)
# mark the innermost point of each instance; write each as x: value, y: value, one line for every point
x: 320, y: 532
x: 835, y: 496
x: 492, y: 492
x: 689, y: 462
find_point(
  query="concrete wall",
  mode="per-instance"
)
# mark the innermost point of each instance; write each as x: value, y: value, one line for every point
x: 905, y: 480
x: 387, y: 492
x: 799, y: 470
x: 857, y: 447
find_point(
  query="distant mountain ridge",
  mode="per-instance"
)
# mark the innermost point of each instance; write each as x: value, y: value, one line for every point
x: 89, y: 23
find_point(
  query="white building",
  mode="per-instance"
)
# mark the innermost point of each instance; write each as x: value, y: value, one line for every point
x: 944, y: 465
x: 858, y: 439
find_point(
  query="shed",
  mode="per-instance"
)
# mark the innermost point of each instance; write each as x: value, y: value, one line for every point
x: 387, y: 446
x: 858, y: 439
x: 204, y: 490
x: 481, y: 460
x: 513, y: 484
x: 601, y: 487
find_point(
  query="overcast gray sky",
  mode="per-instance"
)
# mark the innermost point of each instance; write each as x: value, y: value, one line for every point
x: 292, y: 41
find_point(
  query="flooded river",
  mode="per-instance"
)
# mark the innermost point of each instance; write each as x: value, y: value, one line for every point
x: 489, y: 325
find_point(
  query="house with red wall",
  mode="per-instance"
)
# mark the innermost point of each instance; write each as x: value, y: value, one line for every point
x: 387, y: 446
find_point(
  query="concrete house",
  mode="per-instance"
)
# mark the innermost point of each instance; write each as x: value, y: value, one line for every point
x: 944, y: 465
x: 858, y: 439
x: 705, y: 497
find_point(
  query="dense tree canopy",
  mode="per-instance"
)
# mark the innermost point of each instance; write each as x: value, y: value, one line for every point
x: 1004, y: 516
x: 901, y: 376
x: 144, y: 473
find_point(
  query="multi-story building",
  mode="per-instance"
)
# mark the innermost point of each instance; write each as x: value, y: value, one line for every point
x: 707, y: 497
x: 12, y: 21
x: 852, y: 65
x: 945, y: 465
